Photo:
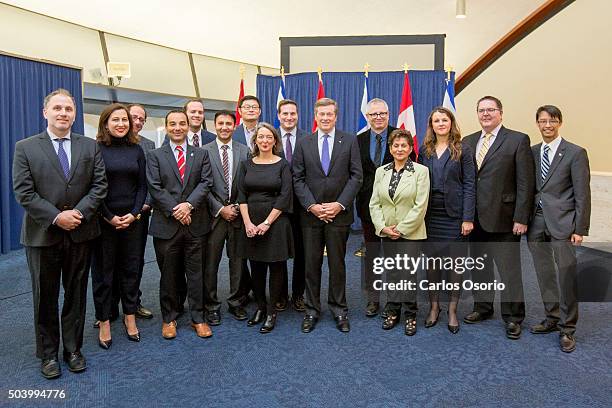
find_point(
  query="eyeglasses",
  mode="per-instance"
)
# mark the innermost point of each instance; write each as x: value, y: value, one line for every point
x: 487, y: 110
x: 378, y: 115
x: 544, y: 122
x: 249, y: 107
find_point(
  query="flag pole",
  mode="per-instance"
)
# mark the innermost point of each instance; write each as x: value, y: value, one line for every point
x: 366, y: 69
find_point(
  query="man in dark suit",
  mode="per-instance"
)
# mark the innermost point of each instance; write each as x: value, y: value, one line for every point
x: 197, y: 136
x: 250, y: 110
x: 374, y: 152
x: 225, y: 158
x: 504, y: 199
x: 290, y: 135
x: 560, y: 221
x: 60, y: 180
x: 327, y: 176
x: 179, y: 178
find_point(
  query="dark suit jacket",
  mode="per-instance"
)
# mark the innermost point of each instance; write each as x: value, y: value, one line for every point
x: 312, y: 186
x: 207, y: 137
x: 369, y: 170
x: 239, y: 135
x: 167, y: 190
x: 566, y: 191
x: 298, y: 136
x: 147, y: 145
x: 459, y: 182
x: 41, y: 188
x: 505, y: 182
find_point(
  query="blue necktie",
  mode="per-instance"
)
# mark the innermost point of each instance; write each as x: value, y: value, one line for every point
x: 63, y: 157
x: 545, y: 162
x: 325, y: 154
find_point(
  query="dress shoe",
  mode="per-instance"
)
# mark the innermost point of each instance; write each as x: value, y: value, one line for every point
x: 238, y: 312
x: 50, y: 368
x: 268, y: 325
x: 360, y: 252
x: 390, y: 322
x: 432, y: 323
x: 105, y: 344
x: 309, y: 323
x: 96, y: 324
x: 169, y: 330
x: 213, y: 317
x: 513, y: 330
x: 451, y: 328
x: 202, y: 330
x: 257, y: 318
x: 143, y: 313
x: 372, y: 309
x: 281, y: 306
x: 298, y: 303
x: 411, y: 326
x: 546, y: 326
x: 342, y: 324
x: 476, y: 317
x: 76, y: 361
x: 131, y: 337
x: 567, y: 343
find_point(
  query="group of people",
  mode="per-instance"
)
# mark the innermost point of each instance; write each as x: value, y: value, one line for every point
x: 267, y: 195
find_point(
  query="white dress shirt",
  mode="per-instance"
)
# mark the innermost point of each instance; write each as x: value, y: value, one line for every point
x: 230, y: 160
x: 553, y: 146
x: 491, y: 140
x: 173, y: 147
x: 66, y: 145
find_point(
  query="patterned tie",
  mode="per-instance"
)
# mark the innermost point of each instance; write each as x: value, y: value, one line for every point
x: 180, y: 162
x: 63, y: 158
x: 288, y: 148
x: 196, y: 140
x: 325, y: 154
x: 545, y: 162
x: 378, y: 151
x: 483, y: 150
x: 226, y: 169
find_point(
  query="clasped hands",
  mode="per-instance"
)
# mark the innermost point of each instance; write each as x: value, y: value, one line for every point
x: 252, y: 229
x: 326, y: 211
x: 121, y: 222
x: 69, y: 219
x: 229, y: 212
x: 182, y: 213
x: 391, y: 232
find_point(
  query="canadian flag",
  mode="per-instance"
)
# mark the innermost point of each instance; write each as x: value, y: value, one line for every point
x: 320, y: 94
x: 405, y: 119
x: 240, y: 96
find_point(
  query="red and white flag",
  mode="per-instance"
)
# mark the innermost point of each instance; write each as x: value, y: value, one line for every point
x: 405, y: 119
x: 240, y: 96
x: 320, y: 94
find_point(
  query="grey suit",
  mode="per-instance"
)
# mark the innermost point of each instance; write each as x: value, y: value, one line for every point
x: 562, y: 207
x: 224, y: 232
x: 54, y: 255
x: 312, y: 186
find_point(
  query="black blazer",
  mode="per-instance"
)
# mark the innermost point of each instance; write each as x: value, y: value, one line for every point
x: 167, y: 190
x: 505, y: 182
x: 312, y: 186
x: 369, y: 170
x: 459, y: 182
x: 298, y: 136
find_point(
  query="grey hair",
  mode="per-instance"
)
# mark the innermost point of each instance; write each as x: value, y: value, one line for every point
x: 377, y: 100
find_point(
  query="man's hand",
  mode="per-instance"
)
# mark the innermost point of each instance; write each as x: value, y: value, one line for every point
x: 332, y: 209
x: 68, y: 220
x: 145, y: 208
x: 229, y: 213
x: 576, y: 239
x: 126, y: 220
x: 319, y: 211
x: 519, y: 229
x: 181, y: 212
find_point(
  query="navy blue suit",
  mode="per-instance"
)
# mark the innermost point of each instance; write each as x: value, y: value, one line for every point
x: 207, y: 137
x: 239, y: 135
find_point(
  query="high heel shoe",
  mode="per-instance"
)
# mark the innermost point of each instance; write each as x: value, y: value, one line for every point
x: 105, y: 344
x: 131, y: 337
x: 453, y: 329
x: 268, y: 325
x: 257, y: 318
x: 432, y: 323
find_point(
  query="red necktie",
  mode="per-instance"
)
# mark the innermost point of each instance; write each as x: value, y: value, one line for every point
x: 180, y: 162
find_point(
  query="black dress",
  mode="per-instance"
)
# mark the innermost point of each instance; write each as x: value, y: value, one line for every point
x: 264, y: 187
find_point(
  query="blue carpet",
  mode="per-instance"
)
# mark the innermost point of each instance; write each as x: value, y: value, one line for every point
x: 239, y: 367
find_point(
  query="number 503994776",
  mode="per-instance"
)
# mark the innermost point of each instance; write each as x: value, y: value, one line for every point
x: 28, y: 394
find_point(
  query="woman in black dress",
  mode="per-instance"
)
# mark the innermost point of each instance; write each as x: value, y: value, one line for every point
x: 266, y: 196
x: 452, y: 200
x: 117, y: 251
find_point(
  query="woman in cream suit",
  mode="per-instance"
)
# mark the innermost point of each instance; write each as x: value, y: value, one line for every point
x: 398, y: 207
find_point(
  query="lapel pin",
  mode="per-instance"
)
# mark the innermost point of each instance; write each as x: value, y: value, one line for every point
x: 191, y: 155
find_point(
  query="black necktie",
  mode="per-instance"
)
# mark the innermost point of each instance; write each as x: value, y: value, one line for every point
x: 378, y: 151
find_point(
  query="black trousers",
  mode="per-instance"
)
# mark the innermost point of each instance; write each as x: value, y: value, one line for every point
x: 298, y: 280
x: 372, y: 250
x: 66, y: 263
x: 116, y: 263
x: 559, y: 295
x: 259, y: 272
x: 401, y: 299
x: 181, y: 256
x: 503, y: 250
x: 315, y: 239
x: 224, y: 234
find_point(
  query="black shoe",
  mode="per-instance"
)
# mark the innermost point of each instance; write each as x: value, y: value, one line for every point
x: 105, y: 344
x: 76, y: 361
x: 372, y: 309
x: 451, y: 328
x: 298, y: 303
x: 476, y: 317
x: 513, y: 330
x: 384, y: 314
x: 411, y: 326
x: 567, y: 342
x: 268, y: 325
x: 309, y: 323
x: 342, y: 324
x: 143, y: 313
x: 281, y: 306
x: 257, y: 318
x: 213, y: 318
x: 131, y: 337
x: 432, y: 323
x: 238, y: 312
x: 50, y: 368
x: 546, y: 326
x: 390, y: 322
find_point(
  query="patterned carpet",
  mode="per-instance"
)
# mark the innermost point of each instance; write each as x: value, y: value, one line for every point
x: 238, y: 367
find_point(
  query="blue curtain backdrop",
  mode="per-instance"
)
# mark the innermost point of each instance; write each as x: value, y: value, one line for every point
x: 23, y: 86
x: 347, y: 89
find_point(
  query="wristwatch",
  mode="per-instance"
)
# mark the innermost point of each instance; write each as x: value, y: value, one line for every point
x: 189, y: 205
x: 266, y: 222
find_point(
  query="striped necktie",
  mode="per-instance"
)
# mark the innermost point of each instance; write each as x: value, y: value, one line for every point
x: 180, y: 162
x: 545, y: 162
x: 196, y: 140
x: 226, y: 170
x: 483, y: 150
x: 63, y: 158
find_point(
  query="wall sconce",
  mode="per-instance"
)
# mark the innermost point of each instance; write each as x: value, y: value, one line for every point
x: 460, y: 9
